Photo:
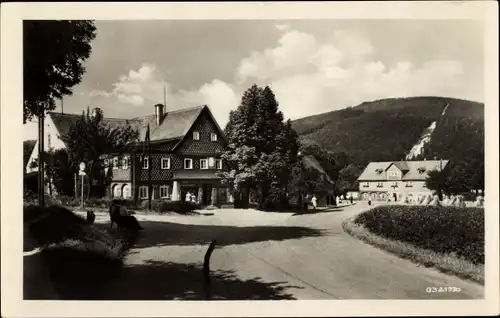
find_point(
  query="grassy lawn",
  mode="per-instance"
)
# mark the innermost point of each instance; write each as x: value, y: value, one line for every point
x: 447, y: 238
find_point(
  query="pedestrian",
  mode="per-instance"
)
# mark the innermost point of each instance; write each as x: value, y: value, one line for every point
x: 350, y: 199
x: 313, y: 201
x: 306, y: 202
x: 369, y: 202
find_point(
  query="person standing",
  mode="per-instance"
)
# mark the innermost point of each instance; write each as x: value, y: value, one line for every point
x: 313, y: 201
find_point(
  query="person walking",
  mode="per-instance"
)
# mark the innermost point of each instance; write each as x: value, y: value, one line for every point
x: 306, y: 202
x: 313, y: 201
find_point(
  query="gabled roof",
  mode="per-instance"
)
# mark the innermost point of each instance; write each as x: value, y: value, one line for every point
x: 401, y: 165
x: 175, y: 124
x: 28, y: 146
x: 311, y: 162
x: 412, y: 170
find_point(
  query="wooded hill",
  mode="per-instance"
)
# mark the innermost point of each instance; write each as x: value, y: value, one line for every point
x: 387, y: 129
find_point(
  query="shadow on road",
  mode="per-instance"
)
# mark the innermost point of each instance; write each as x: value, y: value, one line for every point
x: 167, y: 233
x: 322, y: 210
x: 157, y: 280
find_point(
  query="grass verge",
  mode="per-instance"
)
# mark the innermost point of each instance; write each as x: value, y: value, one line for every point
x: 446, y: 263
x: 80, y: 258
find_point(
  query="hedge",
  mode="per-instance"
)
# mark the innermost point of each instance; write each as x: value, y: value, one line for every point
x: 447, y: 230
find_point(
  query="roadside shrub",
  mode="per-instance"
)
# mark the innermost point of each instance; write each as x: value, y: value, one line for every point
x: 79, y: 270
x: 447, y: 230
x: 180, y: 207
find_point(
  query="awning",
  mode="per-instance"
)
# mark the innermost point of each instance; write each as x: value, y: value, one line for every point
x: 196, y: 174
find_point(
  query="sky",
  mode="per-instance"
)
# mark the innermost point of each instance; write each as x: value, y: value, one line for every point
x: 313, y: 66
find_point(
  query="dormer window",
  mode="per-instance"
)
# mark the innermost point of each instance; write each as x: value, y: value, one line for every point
x: 379, y: 171
x: 213, y: 137
x: 421, y: 170
x: 196, y: 135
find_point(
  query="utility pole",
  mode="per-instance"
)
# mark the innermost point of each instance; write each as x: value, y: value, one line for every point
x: 41, y: 162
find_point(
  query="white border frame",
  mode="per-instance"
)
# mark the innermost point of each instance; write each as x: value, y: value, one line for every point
x: 11, y: 182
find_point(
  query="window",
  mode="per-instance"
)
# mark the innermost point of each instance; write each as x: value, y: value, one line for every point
x: 393, y: 174
x: 408, y: 185
x: 145, y: 163
x: 218, y: 163
x: 115, y: 163
x: 380, y: 184
x: 125, y: 163
x: 143, y: 192
x: 196, y: 135
x: 188, y: 163
x: 203, y: 163
x: 164, y: 193
x: 365, y: 184
x: 213, y: 137
x: 126, y: 191
x: 165, y: 163
x: 395, y: 185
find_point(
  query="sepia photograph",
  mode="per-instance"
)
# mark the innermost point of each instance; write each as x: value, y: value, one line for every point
x: 251, y: 159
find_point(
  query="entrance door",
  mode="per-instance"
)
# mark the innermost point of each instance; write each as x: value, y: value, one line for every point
x: 207, y: 194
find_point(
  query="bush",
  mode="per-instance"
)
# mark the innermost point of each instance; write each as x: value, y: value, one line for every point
x: 180, y: 207
x: 79, y: 270
x: 446, y: 230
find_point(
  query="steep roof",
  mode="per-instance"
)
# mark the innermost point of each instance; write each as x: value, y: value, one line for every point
x: 28, y: 146
x: 175, y: 124
x: 311, y: 162
x: 375, y: 171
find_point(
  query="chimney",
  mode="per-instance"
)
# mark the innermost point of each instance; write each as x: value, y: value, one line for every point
x: 159, y: 113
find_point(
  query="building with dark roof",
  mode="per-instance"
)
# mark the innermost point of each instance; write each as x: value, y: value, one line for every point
x: 394, y: 179
x: 186, y: 148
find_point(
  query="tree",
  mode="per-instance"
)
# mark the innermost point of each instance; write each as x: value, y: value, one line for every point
x: 436, y: 181
x: 92, y: 141
x: 53, y: 55
x: 59, y: 172
x: 262, y: 146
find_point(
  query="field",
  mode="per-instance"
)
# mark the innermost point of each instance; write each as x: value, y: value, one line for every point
x: 448, y: 238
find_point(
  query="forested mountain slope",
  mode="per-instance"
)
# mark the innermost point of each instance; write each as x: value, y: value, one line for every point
x: 387, y: 129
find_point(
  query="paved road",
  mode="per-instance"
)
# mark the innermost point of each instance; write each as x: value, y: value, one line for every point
x: 271, y: 256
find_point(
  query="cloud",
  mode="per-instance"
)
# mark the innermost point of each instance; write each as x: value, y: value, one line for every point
x: 282, y: 27
x: 310, y: 76
x: 143, y: 87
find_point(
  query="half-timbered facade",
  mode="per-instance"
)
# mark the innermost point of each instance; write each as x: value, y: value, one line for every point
x: 186, y: 149
x: 185, y: 156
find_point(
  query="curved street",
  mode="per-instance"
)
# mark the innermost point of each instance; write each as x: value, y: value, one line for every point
x: 263, y: 255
